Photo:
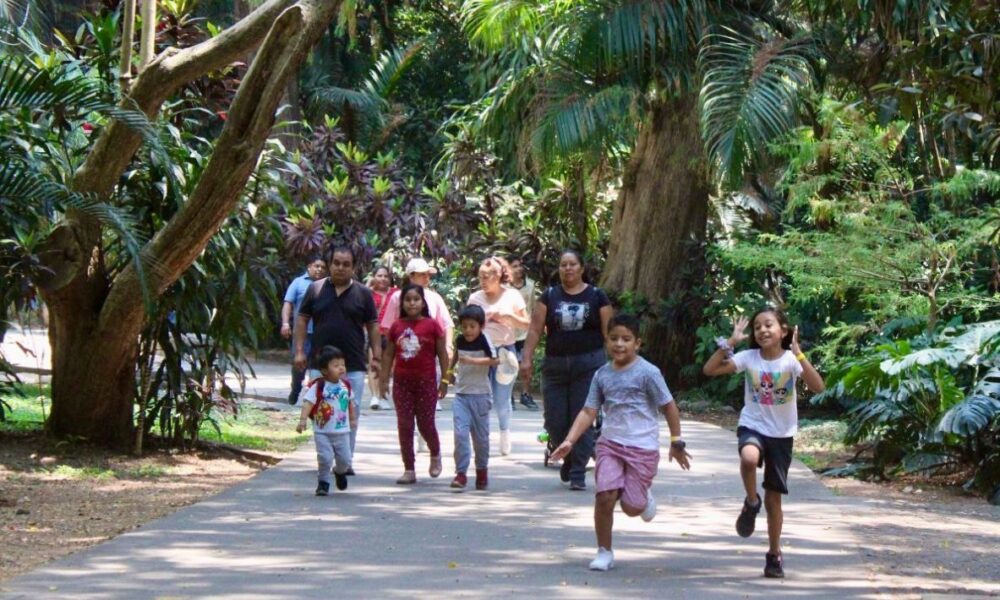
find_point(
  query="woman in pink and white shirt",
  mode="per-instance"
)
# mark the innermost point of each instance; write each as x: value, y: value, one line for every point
x: 505, y: 312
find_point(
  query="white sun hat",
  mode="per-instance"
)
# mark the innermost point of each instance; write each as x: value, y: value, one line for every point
x: 508, y: 368
x: 419, y: 265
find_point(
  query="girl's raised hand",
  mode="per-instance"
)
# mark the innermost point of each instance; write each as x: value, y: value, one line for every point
x: 796, y: 348
x: 739, y: 332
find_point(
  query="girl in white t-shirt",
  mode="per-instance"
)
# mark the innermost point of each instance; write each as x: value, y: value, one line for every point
x: 769, y: 418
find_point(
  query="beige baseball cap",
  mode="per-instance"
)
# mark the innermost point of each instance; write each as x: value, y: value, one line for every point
x: 419, y: 265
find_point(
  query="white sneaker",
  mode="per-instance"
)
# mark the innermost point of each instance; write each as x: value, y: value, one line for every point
x: 385, y: 403
x: 438, y: 409
x: 421, y: 444
x: 505, y: 442
x: 604, y: 561
x: 375, y: 404
x: 650, y: 511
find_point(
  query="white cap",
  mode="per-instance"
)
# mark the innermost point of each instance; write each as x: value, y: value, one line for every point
x: 419, y: 265
x: 508, y: 367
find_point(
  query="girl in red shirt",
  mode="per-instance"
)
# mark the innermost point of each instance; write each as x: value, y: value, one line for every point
x: 412, y: 344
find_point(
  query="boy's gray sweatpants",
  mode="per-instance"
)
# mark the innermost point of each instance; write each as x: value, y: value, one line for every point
x: 472, y: 416
x: 330, y: 447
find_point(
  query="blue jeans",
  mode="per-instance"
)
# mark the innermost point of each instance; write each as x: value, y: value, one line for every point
x: 501, y: 395
x: 565, y: 384
x: 472, y: 416
x: 357, y: 381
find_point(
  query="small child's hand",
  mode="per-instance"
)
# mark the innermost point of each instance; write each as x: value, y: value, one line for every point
x: 681, y: 456
x: 301, y: 426
x: 562, y: 450
x: 442, y: 390
x: 739, y: 334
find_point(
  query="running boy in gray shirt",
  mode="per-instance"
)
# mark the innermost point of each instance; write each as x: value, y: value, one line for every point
x: 633, y: 394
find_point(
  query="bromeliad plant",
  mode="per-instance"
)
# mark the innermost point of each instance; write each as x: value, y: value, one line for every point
x: 930, y: 403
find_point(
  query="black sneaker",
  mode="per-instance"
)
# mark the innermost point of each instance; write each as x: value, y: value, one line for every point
x: 323, y: 489
x: 772, y: 566
x: 528, y: 401
x: 349, y: 472
x: 564, y: 470
x: 341, y: 479
x: 746, y: 522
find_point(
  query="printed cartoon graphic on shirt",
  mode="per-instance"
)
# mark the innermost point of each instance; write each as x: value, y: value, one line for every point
x: 333, y: 405
x: 409, y: 344
x: 771, y: 388
x: 571, y: 316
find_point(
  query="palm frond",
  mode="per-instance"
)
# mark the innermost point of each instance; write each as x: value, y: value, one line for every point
x: 384, y: 78
x: 580, y: 119
x: 65, y: 91
x: 750, y: 89
x: 491, y: 25
x: 338, y: 97
x: 638, y: 35
x: 379, y: 86
x: 23, y: 187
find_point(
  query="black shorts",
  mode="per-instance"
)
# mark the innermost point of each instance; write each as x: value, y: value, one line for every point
x: 775, y: 457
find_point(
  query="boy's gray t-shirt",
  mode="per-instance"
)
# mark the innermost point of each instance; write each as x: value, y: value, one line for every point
x: 631, y: 399
x: 473, y: 379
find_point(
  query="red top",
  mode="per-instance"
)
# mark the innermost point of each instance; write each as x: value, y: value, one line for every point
x: 382, y: 301
x: 416, y: 345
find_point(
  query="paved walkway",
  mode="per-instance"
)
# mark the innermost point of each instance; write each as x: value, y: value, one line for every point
x: 270, y: 538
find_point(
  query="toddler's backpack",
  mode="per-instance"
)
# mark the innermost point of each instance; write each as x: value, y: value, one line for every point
x: 319, y: 394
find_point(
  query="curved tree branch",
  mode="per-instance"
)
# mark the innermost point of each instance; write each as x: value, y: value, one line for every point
x: 251, y: 117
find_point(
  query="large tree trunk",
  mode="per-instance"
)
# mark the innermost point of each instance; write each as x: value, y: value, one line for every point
x: 96, y: 320
x: 657, y: 238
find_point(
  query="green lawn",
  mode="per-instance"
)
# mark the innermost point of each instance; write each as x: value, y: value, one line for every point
x: 252, y: 428
x: 27, y: 407
x: 819, y: 443
x: 256, y: 429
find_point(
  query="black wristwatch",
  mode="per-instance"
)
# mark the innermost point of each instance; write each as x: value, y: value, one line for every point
x: 679, y: 444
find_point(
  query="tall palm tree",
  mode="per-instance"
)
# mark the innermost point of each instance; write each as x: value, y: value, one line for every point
x: 695, y: 88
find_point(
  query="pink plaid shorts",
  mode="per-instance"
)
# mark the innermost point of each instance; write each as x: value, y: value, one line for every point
x: 625, y: 468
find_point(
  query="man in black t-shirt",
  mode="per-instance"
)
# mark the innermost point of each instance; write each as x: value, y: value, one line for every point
x: 341, y: 309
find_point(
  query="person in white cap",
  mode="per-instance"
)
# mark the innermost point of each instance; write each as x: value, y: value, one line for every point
x: 418, y: 271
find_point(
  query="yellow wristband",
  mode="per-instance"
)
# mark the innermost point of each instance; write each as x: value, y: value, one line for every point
x: 675, y: 438
x: 801, y: 356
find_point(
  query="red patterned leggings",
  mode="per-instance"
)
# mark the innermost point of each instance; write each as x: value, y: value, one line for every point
x: 415, y: 397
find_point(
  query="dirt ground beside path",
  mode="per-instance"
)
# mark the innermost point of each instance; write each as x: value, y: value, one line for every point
x: 918, y: 536
x: 920, y: 539
x: 56, y: 500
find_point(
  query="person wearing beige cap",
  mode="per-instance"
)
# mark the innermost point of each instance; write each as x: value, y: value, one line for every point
x: 418, y: 271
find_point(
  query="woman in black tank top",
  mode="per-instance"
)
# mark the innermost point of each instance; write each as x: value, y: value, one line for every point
x: 573, y: 315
